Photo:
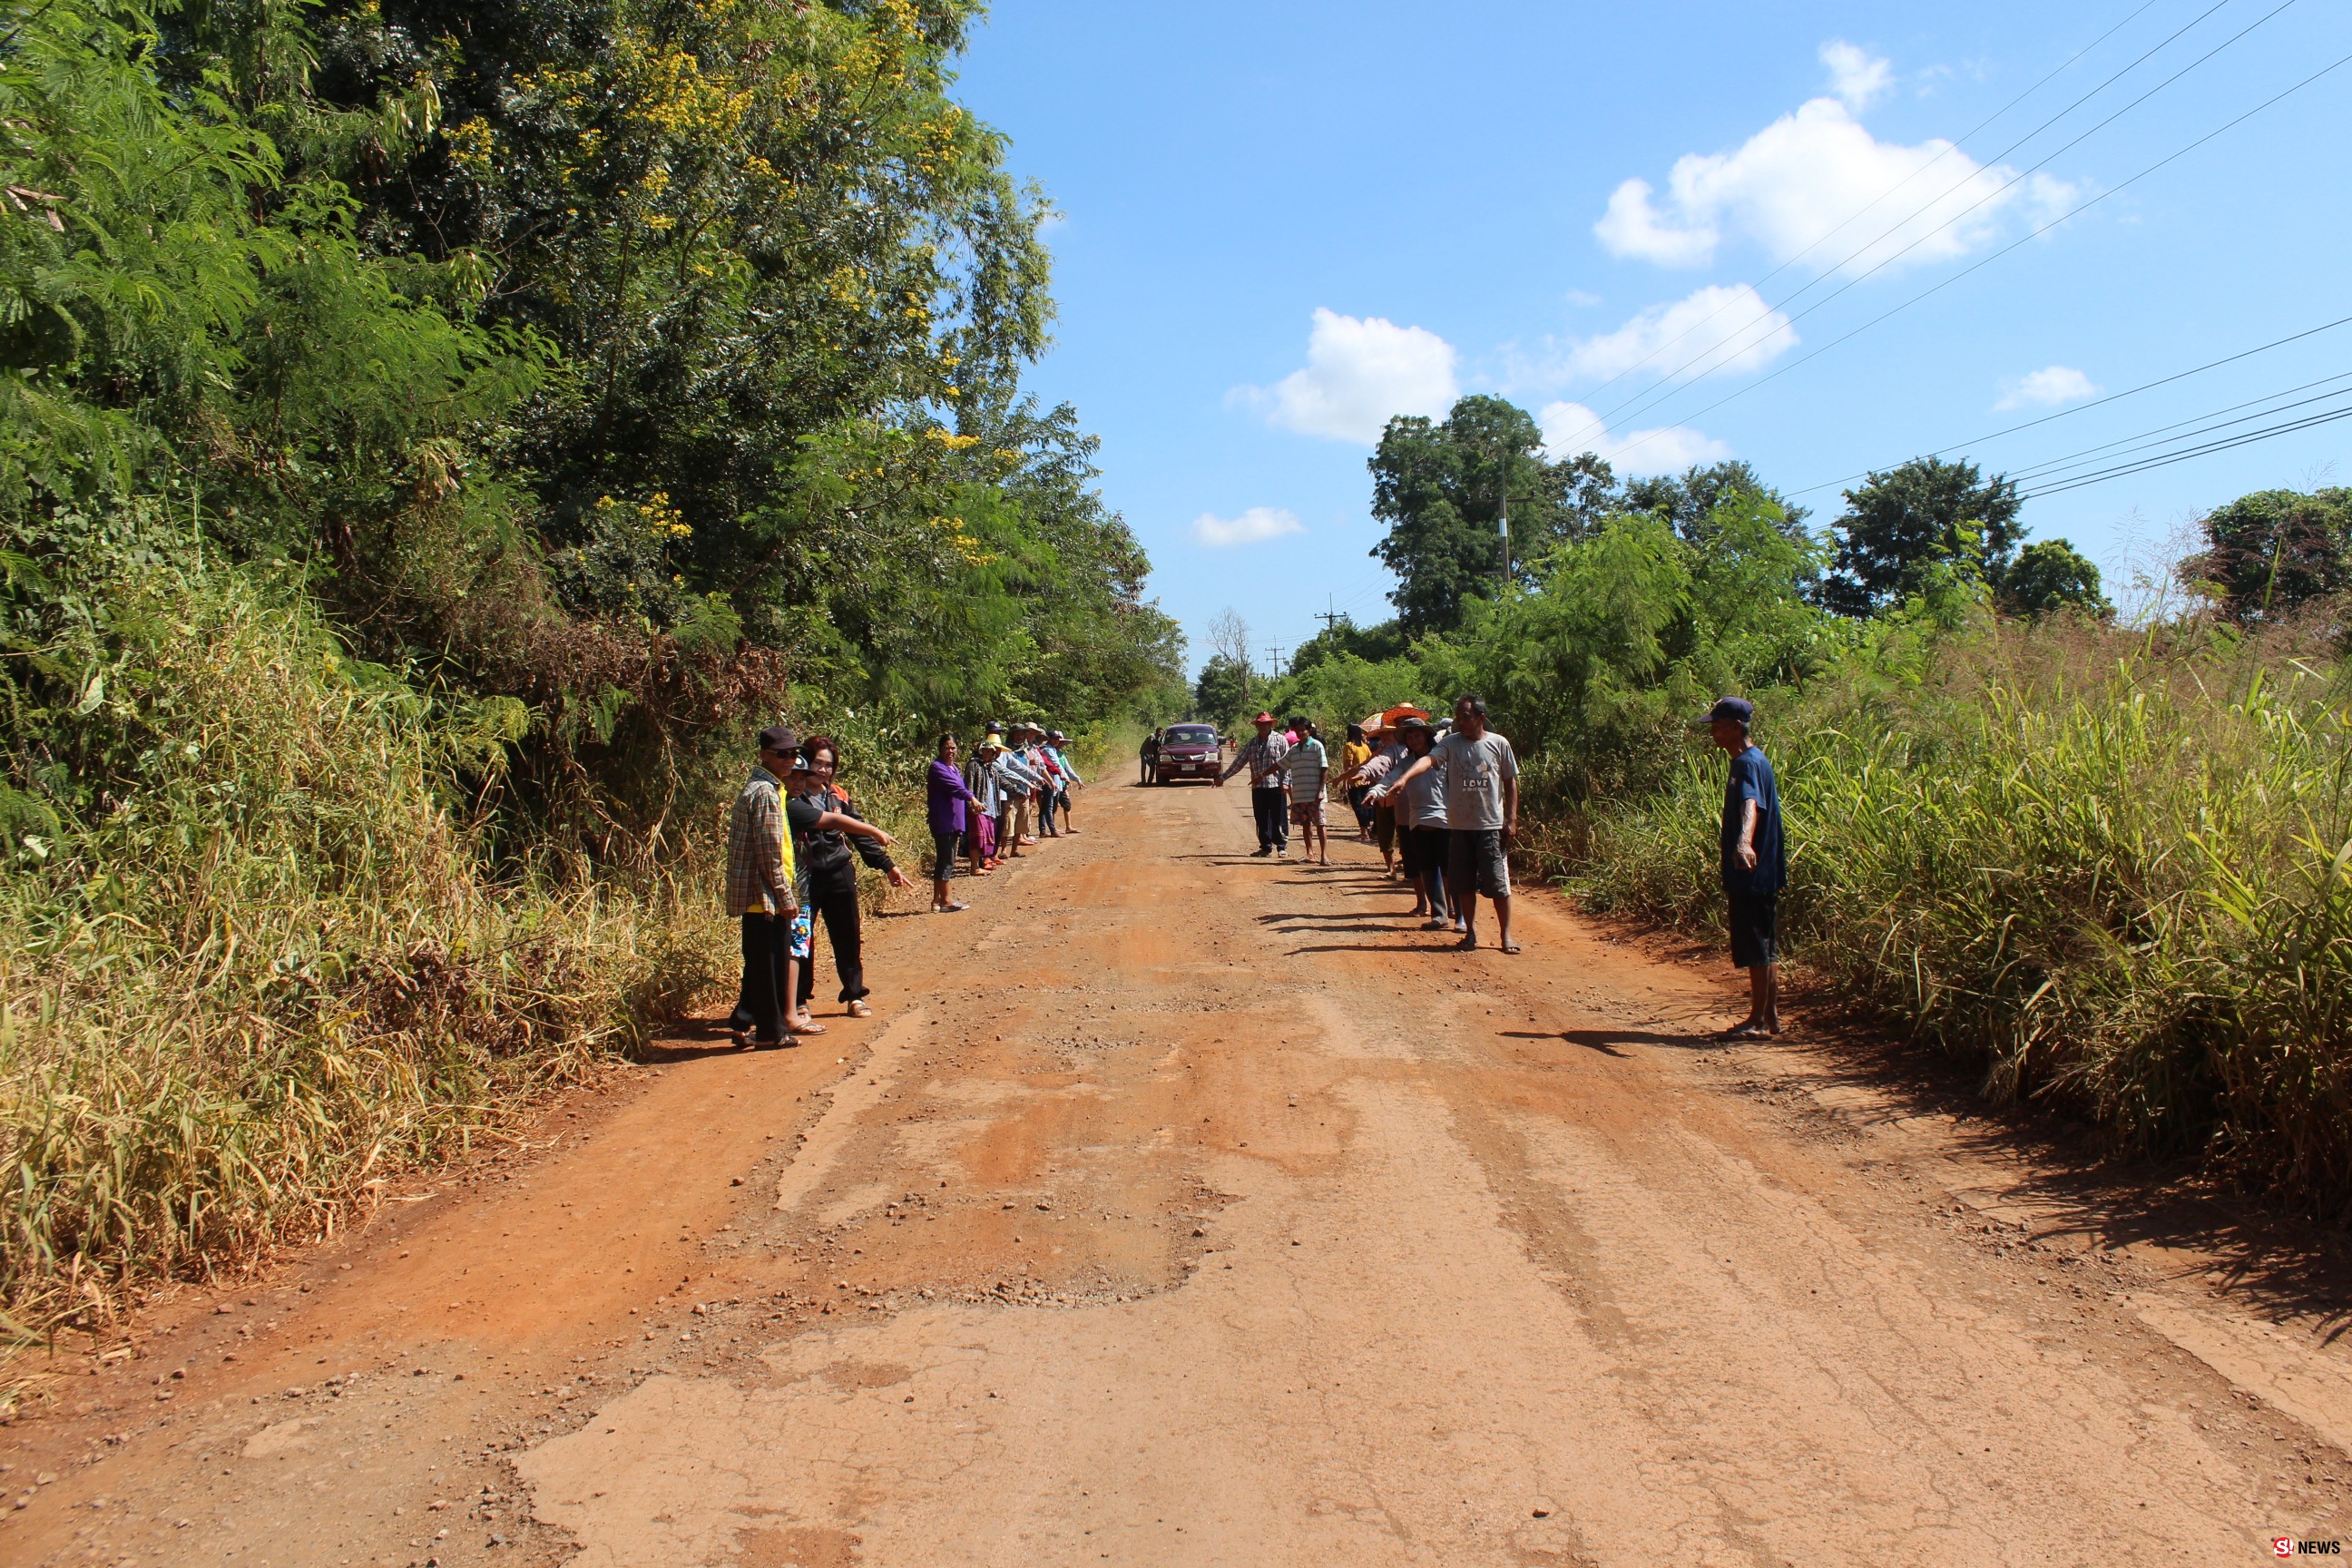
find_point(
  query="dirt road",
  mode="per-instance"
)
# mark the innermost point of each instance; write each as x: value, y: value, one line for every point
x: 1180, y: 1207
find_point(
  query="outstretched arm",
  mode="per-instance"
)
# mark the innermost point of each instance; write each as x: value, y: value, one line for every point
x: 1420, y: 766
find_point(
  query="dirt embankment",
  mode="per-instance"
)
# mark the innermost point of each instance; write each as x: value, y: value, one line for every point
x: 1180, y: 1207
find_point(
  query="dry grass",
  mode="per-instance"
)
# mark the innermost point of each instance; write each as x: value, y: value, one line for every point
x: 268, y: 967
x: 2116, y: 873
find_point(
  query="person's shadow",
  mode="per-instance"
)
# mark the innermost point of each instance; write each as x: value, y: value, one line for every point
x: 1606, y: 1041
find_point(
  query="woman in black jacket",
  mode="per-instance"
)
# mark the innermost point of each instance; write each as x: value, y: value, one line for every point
x: 828, y: 840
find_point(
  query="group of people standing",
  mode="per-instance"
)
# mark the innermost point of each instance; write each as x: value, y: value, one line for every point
x: 795, y: 840
x: 1442, y: 802
x: 982, y: 809
x: 1444, y: 805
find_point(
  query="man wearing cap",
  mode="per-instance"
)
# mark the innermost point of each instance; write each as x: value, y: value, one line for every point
x: 1755, y: 863
x: 760, y: 885
x: 1269, y: 799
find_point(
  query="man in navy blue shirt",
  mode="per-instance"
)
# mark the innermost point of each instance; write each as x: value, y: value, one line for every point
x: 1755, y: 865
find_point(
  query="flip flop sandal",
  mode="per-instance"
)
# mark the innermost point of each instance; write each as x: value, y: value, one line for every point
x: 1510, y: 947
x: 807, y: 1029
x: 858, y: 1009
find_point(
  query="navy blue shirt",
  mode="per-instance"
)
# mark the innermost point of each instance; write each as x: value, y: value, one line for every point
x: 1751, y: 779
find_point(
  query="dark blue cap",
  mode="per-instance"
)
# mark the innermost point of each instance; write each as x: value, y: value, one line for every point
x: 1739, y: 710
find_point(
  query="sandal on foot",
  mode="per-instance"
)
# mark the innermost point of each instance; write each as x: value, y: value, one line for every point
x: 858, y: 1009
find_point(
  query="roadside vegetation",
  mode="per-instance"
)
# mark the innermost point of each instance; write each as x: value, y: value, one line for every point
x: 432, y: 441
x: 2106, y: 859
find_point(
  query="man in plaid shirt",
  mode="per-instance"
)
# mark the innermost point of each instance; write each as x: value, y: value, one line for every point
x: 1269, y: 800
x: 760, y: 885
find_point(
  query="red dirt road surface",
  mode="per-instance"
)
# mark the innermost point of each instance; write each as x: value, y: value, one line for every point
x: 1179, y: 1208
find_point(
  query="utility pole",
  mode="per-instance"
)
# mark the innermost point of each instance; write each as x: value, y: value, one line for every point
x: 1273, y: 662
x: 1330, y: 617
x: 1503, y: 517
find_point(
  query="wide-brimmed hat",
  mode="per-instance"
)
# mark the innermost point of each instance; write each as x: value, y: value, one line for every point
x: 1263, y: 719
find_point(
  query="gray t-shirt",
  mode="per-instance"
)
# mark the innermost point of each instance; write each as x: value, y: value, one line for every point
x: 1423, y: 798
x: 1475, y: 772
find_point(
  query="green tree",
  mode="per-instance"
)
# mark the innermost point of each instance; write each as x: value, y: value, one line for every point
x: 2049, y: 574
x: 1222, y: 693
x: 1920, y: 515
x: 1343, y: 638
x: 1440, y: 487
x: 1689, y: 498
x: 2273, y: 552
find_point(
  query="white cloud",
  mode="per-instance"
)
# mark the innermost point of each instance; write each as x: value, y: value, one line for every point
x: 1631, y: 227
x: 1359, y: 372
x: 1801, y: 180
x: 1571, y: 427
x: 1857, y: 77
x: 1717, y: 331
x: 2047, y: 388
x: 1254, y: 526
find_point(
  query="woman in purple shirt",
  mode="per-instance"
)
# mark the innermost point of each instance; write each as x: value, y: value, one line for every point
x: 950, y: 802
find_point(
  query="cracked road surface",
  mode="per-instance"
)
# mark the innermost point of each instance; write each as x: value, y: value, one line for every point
x: 1180, y: 1207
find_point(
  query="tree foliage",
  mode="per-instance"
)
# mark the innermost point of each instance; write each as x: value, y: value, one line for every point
x: 618, y: 358
x: 1918, y: 519
x: 2048, y: 575
x: 2273, y: 551
x: 1442, y: 486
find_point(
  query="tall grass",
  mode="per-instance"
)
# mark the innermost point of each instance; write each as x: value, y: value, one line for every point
x: 266, y: 964
x: 2117, y: 875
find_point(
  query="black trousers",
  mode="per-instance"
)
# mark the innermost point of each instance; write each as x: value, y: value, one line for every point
x: 767, y: 942
x: 1272, y: 807
x: 834, y: 898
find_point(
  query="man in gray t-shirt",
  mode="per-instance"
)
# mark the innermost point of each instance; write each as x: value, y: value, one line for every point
x: 1482, y: 812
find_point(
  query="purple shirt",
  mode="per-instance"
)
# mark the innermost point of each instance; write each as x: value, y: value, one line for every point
x: 948, y: 794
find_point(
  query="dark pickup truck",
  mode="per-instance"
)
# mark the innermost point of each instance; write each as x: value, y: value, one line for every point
x: 1190, y: 751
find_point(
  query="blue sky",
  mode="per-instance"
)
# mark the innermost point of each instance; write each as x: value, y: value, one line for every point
x: 1284, y: 221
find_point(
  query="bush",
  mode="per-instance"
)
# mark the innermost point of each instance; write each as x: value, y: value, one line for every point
x: 265, y: 963
x: 2113, y: 872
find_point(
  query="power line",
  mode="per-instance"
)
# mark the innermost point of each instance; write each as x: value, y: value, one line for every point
x: 1950, y: 149
x: 2075, y: 211
x: 2081, y: 480
x: 1732, y: 347
x: 2111, y: 397
x: 2166, y: 435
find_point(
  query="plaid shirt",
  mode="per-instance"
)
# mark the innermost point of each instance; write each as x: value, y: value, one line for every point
x: 759, y: 850
x: 1263, y: 757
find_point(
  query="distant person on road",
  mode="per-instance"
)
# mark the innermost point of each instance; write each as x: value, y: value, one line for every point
x: 832, y: 839
x: 1149, y: 754
x: 1017, y: 786
x: 1058, y: 746
x: 1755, y: 863
x: 953, y: 810
x: 980, y: 777
x: 1353, y: 754
x: 760, y: 890
x: 1481, y: 816
x: 1416, y: 795
x: 1306, y: 769
x: 1269, y: 801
